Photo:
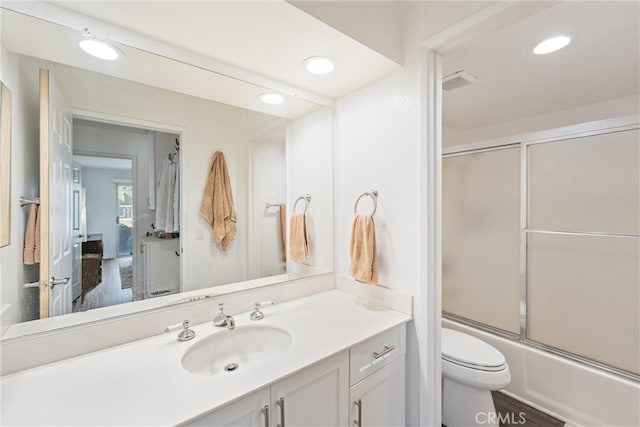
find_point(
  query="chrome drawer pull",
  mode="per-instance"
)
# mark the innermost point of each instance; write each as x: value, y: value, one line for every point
x: 358, y: 403
x: 265, y: 412
x: 386, y: 350
x: 280, y: 403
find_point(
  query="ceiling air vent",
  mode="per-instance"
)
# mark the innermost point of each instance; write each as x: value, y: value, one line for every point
x: 457, y: 80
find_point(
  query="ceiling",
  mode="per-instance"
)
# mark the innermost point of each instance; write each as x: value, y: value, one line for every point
x: 602, y: 63
x: 59, y: 44
x: 103, y: 162
x: 271, y: 38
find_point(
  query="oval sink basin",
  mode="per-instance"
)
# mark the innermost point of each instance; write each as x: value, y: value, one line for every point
x: 236, y: 349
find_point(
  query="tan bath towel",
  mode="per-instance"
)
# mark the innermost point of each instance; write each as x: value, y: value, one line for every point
x: 217, y: 203
x: 283, y: 230
x: 362, y: 248
x: 32, y: 237
x: 298, y: 238
x: 36, y: 250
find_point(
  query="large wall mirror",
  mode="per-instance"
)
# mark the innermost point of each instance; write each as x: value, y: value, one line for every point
x: 5, y: 165
x: 143, y: 131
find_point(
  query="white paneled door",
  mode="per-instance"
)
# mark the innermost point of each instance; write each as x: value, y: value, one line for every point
x: 56, y: 158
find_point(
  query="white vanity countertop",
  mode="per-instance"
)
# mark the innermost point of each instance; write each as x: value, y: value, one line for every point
x: 144, y: 383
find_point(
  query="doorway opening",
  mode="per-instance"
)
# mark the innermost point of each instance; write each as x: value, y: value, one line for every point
x: 103, y: 268
x: 120, y: 167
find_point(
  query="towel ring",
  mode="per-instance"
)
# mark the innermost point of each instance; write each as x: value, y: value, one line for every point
x: 374, y: 195
x: 306, y: 199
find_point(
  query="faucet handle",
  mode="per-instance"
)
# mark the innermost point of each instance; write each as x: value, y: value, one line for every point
x: 221, y: 318
x: 186, y: 334
x: 256, y: 314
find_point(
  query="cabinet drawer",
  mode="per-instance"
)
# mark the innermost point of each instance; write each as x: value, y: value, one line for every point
x: 377, y: 352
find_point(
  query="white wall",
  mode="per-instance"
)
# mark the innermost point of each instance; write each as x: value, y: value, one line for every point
x: 378, y: 149
x: 102, y: 208
x: 22, y: 82
x: 602, y: 110
x: 269, y: 185
x: 309, y: 158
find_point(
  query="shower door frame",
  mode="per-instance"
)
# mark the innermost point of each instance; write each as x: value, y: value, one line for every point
x: 524, y: 141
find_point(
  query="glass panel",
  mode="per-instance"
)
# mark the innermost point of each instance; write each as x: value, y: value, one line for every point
x: 583, y: 296
x: 125, y: 219
x: 586, y: 184
x: 76, y: 210
x: 481, y: 237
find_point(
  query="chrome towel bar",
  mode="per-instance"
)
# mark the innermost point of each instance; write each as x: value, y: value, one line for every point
x: 25, y: 201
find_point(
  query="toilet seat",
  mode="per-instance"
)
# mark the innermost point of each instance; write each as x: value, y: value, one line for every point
x: 464, y: 350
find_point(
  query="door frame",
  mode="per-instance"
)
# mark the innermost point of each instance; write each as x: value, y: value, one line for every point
x: 428, y: 304
x: 114, y: 119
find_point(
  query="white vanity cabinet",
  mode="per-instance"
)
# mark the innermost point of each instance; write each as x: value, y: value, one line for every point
x: 250, y: 411
x: 361, y: 387
x: 376, y: 391
x: 160, y: 266
x: 316, y: 396
x: 378, y: 400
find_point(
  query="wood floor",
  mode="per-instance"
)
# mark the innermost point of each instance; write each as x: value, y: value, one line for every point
x: 512, y: 413
x: 109, y: 291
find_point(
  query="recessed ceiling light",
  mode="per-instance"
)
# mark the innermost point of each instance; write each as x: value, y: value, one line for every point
x: 271, y: 98
x: 99, y: 49
x: 552, y: 44
x: 319, y: 65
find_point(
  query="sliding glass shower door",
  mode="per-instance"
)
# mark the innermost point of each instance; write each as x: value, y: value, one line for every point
x: 541, y: 242
x: 481, y: 237
x: 583, y: 250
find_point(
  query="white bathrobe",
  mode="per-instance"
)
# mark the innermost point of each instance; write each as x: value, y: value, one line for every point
x: 168, y: 198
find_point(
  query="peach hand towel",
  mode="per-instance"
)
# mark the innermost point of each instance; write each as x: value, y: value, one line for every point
x: 217, y: 203
x: 298, y: 238
x: 36, y: 250
x: 31, y: 237
x: 362, y: 248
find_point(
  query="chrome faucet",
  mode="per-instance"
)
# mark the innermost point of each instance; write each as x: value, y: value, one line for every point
x: 221, y: 318
x: 231, y: 323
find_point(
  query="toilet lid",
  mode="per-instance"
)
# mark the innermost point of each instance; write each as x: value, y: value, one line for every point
x: 465, y: 350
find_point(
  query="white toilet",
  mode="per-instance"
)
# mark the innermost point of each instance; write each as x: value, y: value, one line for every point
x: 471, y: 368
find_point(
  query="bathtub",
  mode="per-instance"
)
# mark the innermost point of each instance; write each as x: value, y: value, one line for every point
x: 570, y: 391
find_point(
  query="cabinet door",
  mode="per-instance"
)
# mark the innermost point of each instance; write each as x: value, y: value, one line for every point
x: 316, y: 396
x: 380, y: 397
x: 247, y: 412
